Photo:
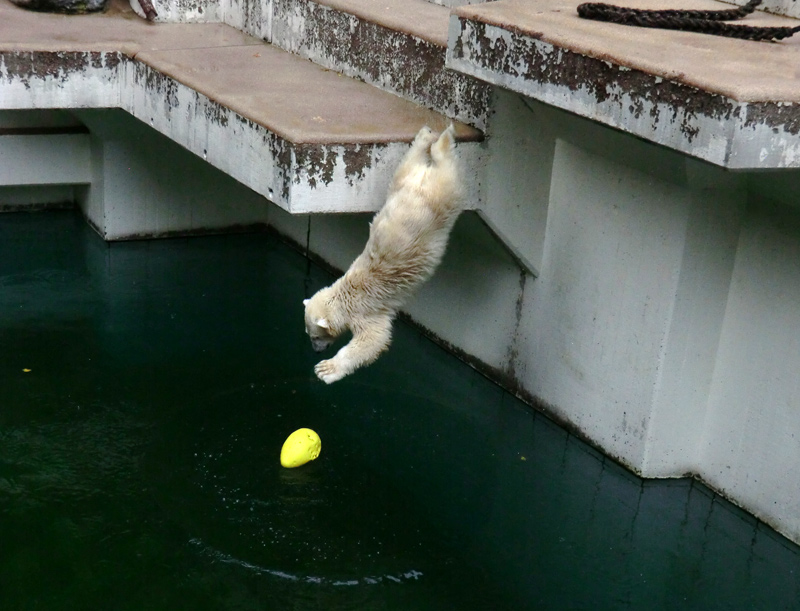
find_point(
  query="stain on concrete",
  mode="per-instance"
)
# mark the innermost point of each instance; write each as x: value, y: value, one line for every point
x: 217, y: 113
x: 195, y: 231
x: 315, y: 163
x: 358, y: 159
x: 28, y: 66
x: 281, y: 151
x: 539, y: 62
x: 158, y: 85
x: 513, y: 349
x: 778, y: 117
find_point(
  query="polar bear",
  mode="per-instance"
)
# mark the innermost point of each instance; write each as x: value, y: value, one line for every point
x: 407, y: 239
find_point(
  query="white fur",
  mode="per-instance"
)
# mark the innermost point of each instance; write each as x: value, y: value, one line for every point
x: 407, y: 240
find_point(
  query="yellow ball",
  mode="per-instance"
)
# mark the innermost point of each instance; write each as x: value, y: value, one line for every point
x: 300, y: 447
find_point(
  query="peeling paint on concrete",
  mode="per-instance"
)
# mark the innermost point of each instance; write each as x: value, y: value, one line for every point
x: 702, y: 124
x: 251, y: 16
x: 315, y: 163
x: 156, y: 85
x: 318, y: 163
x: 187, y: 11
x: 790, y: 8
x: 27, y: 66
x: 358, y: 160
x: 392, y: 60
x: 42, y: 79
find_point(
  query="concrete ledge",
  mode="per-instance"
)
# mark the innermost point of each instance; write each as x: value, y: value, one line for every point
x: 300, y: 135
x: 778, y: 7
x: 731, y: 102
x: 397, y: 45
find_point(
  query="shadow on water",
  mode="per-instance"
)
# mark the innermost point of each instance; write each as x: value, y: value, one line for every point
x: 139, y: 458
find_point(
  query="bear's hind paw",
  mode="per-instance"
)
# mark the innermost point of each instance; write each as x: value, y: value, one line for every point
x: 328, y: 372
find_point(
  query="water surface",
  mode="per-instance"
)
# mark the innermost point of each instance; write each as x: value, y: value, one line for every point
x: 139, y: 458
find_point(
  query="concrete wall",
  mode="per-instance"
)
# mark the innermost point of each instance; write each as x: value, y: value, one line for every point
x: 130, y: 185
x: 648, y: 300
x: 40, y: 162
x: 751, y: 435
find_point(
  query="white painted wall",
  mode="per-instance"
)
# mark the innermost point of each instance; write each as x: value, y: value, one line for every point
x: 137, y: 170
x: 663, y: 322
x: 44, y: 159
x: 750, y: 446
x: 40, y: 170
x: 517, y: 181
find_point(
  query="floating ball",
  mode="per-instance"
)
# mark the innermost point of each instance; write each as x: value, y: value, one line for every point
x: 300, y: 447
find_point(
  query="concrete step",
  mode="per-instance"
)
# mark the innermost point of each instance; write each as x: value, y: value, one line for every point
x: 305, y: 137
x: 730, y: 102
x: 397, y: 45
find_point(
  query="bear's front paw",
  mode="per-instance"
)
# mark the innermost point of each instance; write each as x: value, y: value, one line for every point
x: 328, y: 371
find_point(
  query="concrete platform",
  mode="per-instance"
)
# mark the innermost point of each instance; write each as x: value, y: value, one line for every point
x: 306, y: 138
x: 731, y: 102
x: 397, y: 45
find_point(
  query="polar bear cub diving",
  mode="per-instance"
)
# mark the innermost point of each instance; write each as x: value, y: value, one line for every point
x: 407, y: 239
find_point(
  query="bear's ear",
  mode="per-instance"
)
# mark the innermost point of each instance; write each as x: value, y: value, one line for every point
x: 305, y: 302
x: 322, y: 322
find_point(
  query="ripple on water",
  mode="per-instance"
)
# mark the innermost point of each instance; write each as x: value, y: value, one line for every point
x: 333, y: 522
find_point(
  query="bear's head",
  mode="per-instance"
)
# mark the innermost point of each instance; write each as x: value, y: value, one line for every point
x: 318, y: 321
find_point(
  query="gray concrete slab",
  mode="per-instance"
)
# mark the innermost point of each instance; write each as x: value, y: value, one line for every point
x: 302, y: 136
x: 396, y: 45
x: 296, y: 99
x: 724, y: 100
x: 417, y: 17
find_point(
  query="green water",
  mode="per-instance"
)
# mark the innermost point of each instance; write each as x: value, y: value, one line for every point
x: 139, y: 458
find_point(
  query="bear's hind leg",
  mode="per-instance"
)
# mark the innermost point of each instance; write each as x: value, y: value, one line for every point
x: 444, y: 144
x: 417, y: 156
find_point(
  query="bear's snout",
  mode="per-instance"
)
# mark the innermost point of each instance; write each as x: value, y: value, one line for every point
x: 319, y: 344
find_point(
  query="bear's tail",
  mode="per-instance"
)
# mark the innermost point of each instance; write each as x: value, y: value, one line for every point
x: 442, y: 148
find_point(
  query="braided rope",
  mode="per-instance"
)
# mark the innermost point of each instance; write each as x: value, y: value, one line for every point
x: 707, y: 22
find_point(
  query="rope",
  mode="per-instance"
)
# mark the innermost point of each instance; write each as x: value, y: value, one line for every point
x: 707, y: 22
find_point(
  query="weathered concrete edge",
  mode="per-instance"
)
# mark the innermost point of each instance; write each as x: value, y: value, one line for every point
x: 394, y: 61
x: 47, y: 79
x: 185, y: 11
x: 711, y: 127
x: 301, y: 178
x: 790, y: 8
